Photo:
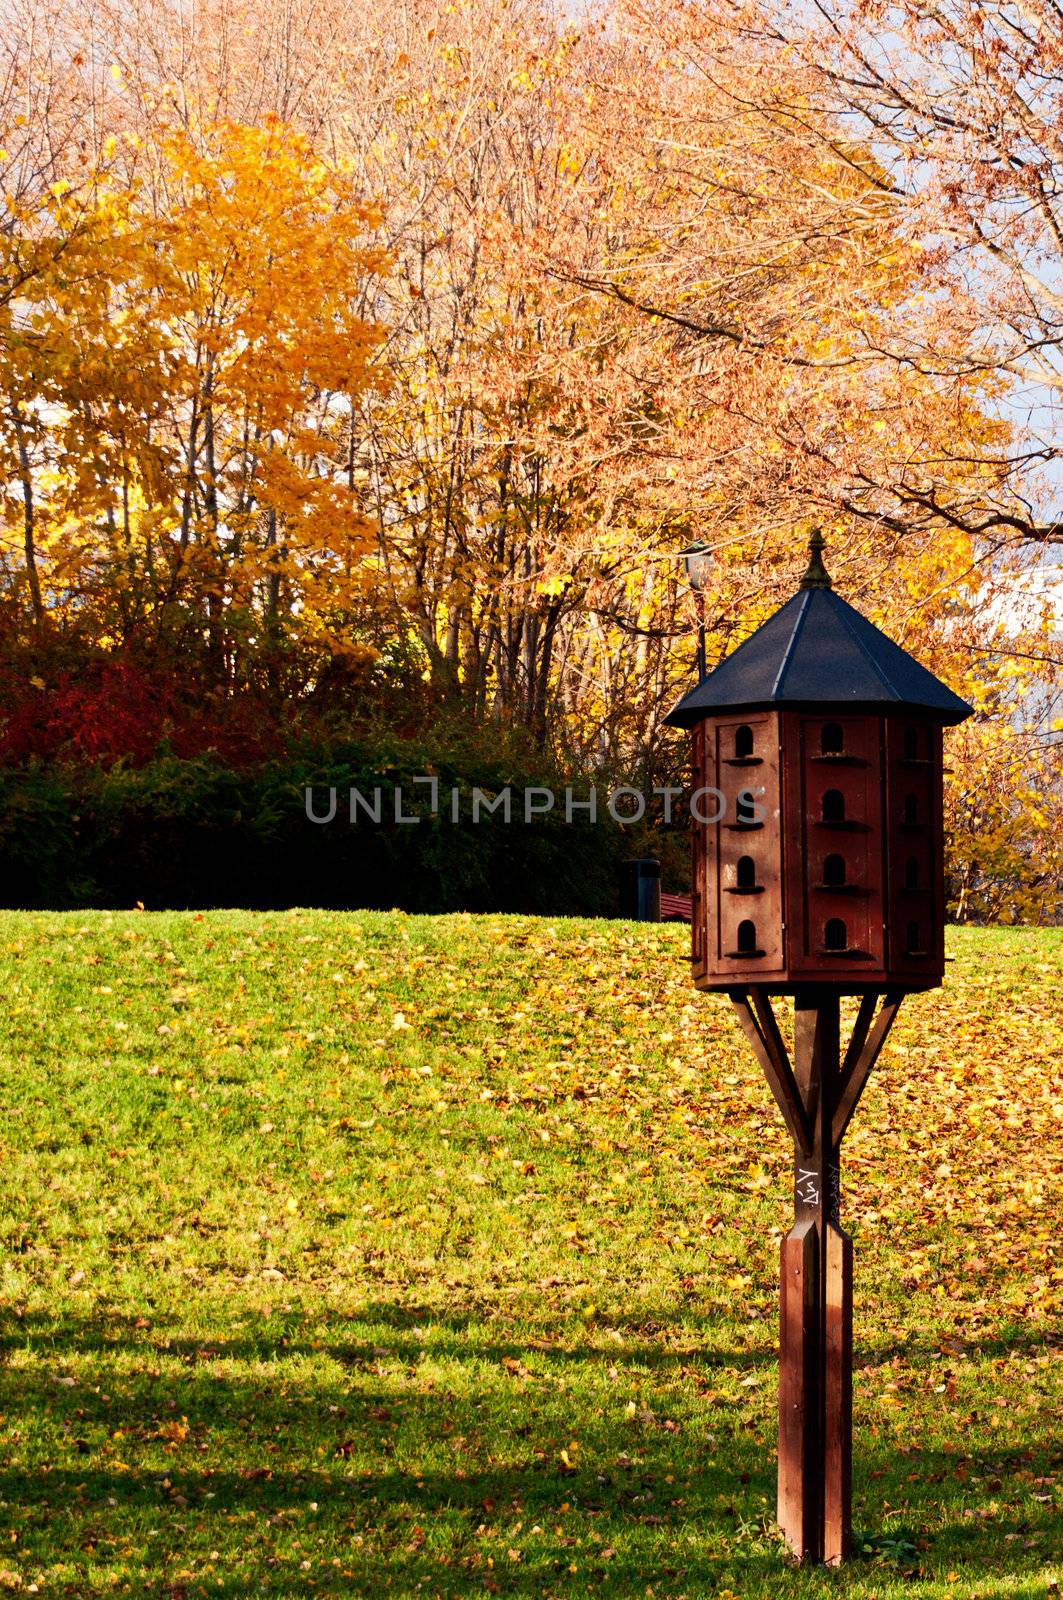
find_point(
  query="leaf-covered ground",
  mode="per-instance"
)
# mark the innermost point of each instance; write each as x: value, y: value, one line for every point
x: 380, y: 1255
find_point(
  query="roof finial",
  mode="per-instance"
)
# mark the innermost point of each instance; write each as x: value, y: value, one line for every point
x: 816, y: 575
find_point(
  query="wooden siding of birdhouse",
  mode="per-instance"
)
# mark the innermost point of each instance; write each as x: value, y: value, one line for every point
x: 738, y: 930
x: 832, y: 809
x: 699, y: 857
x: 915, y: 848
x: 841, y: 882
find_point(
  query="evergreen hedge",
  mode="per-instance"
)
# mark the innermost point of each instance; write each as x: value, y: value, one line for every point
x: 183, y: 833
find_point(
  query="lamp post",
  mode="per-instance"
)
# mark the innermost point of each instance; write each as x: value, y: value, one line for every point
x: 697, y: 558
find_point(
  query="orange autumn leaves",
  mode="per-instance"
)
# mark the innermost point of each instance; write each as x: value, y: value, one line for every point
x: 185, y: 356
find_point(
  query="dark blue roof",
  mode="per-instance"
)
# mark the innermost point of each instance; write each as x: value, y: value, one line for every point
x: 818, y: 651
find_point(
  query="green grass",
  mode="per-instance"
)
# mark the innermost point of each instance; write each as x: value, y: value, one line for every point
x: 384, y: 1255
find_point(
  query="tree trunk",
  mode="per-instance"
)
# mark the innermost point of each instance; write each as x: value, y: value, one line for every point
x: 28, y: 524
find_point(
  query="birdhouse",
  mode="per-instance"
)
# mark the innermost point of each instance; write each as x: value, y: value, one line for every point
x: 818, y: 854
x: 818, y: 872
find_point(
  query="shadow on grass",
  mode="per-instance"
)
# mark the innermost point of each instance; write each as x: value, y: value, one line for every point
x: 407, y: 1331
x: 389, y: 1481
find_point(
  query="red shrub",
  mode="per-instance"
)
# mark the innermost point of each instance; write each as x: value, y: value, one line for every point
x: 118, y: 712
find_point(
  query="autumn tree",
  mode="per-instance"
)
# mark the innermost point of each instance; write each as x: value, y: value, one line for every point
x: 961, y: 103
x: 183, y: 385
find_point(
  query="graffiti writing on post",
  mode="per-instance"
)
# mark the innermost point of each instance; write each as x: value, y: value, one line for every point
x: 834, y: 1199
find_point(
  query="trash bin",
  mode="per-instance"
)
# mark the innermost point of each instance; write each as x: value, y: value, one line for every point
x: 640, y: 890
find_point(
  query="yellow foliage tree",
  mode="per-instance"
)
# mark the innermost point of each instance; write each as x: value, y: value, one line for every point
x: 185, y: 370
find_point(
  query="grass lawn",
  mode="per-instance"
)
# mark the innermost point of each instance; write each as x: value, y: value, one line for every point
x: 382, y: 1255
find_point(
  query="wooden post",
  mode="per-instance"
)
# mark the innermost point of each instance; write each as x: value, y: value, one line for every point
x: 838, y: 1396
x: 817, y: 1097
x: 816, y: 1327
